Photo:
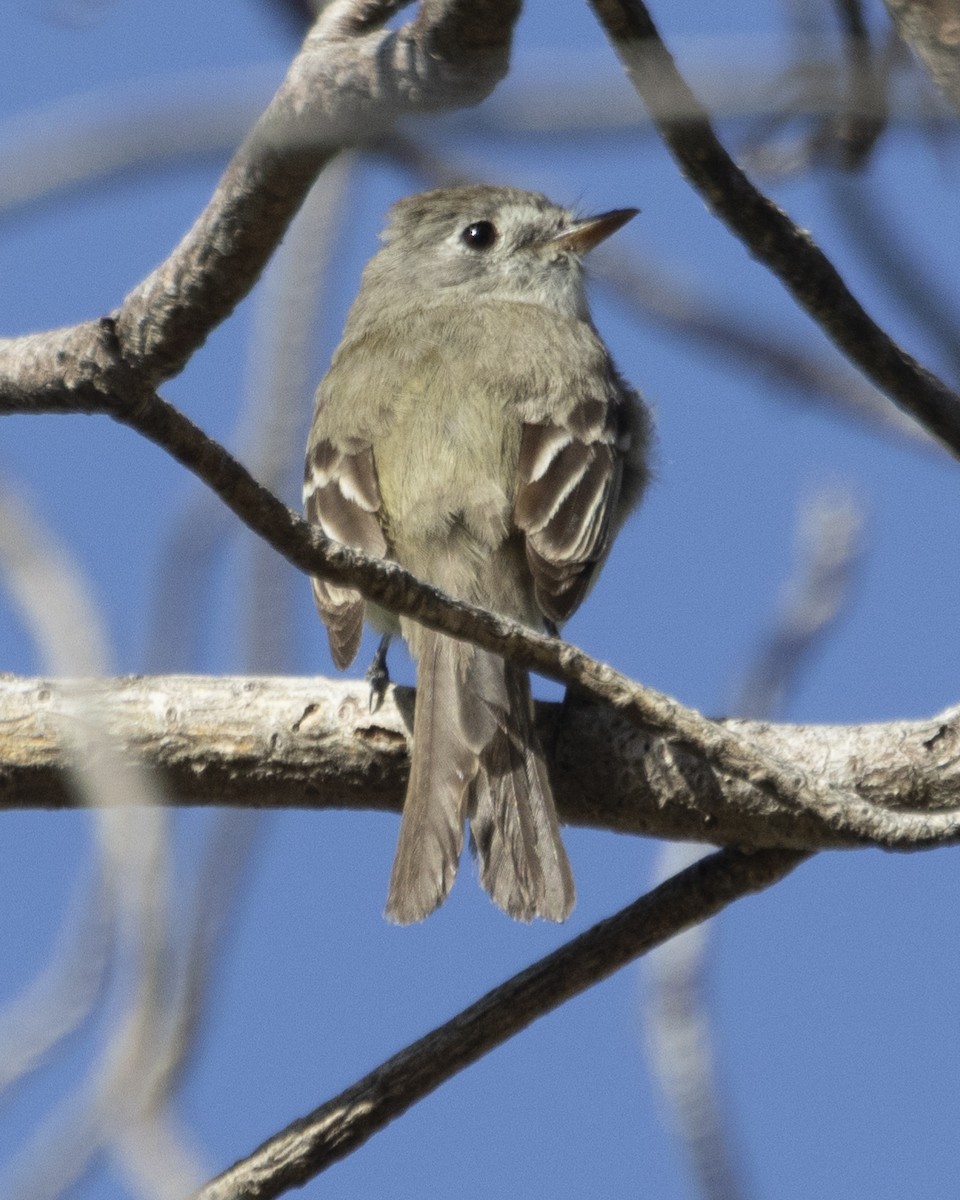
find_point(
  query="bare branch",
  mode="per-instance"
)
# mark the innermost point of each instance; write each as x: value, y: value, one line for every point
x: 769, y: 234
x: 854, y: 133
x: 151, y: 123
x: 352, y: 79
x: 309, y: 1145
x: 261, y: 742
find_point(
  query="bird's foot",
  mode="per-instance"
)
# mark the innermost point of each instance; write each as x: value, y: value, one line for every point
x: 378, y: 674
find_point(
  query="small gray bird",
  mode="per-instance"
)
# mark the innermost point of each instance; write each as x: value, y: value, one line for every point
x: 473, y: 427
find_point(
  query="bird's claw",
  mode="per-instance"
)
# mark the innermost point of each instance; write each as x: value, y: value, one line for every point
x: 378, y: 674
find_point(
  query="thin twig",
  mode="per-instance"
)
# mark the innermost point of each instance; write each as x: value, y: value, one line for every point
x: 855, y: 131
x: 681, y: 1042
x: 768, y: 233
x: 659, y: 295
x: 302, y: 544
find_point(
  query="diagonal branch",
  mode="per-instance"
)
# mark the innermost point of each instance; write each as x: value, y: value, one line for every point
x: 765, y: 229
x: 331, y: 1132
x: 658, y: 294
x: 351, y: 79
x: 98, y: 381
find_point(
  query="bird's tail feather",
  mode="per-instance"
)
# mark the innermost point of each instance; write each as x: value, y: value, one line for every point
x: 452, y: 722
x: 475, y: 753
x: 515, y: 831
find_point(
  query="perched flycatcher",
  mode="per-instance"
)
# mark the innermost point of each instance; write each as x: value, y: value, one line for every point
x: 473, y: 427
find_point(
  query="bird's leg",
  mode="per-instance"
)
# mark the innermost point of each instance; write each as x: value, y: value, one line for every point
x: 571, y: 700
x: 568, y: 702
x: 378, y: 674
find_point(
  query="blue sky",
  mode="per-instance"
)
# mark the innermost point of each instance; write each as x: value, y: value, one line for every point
x: 835, y: 994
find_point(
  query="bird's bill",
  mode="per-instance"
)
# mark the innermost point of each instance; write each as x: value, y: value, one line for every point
x: 591, y: 231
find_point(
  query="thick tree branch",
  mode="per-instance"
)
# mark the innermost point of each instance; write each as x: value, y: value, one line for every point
x: 768, y: 232
x: 352, y: 79
x: 331, y: 1132
x: 261, y: 742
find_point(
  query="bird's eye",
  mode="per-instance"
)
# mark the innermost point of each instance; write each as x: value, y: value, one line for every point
x: 480, y: 235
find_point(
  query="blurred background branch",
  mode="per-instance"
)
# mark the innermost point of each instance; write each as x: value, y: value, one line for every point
x: 120, y: 1099
x: 681, y: 1037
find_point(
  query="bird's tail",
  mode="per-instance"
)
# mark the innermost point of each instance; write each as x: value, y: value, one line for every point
x: 516, y: 834
x: 475, y: 753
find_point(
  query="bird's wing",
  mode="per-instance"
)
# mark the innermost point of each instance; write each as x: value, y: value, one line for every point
x: 341, y: 494
x: 569, y: 471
